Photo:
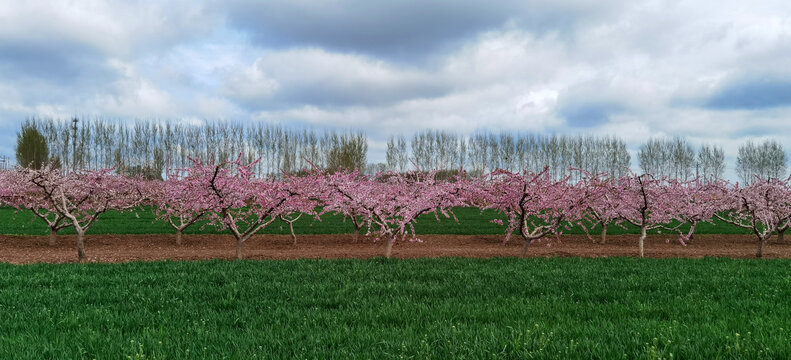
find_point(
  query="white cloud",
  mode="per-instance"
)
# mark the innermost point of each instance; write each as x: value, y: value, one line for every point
x: 316, y: 76
x: 215, y: 108
x: 133, y: 96
x: 251, y: 84
x: 635, y: 69
x: 117, y: 28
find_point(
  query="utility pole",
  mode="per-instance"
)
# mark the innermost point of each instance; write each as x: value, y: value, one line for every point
x: 74, y: 145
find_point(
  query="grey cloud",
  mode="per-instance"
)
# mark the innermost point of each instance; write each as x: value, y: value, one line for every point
x: 63, y: 72
x: 751, y: 94
x: 53, y: 62
x: 331, y: 94
x: 320, y: 78
x: 328, y: 94
x: 399, y: 29
x: 592, y: 103
x: 588, y: 114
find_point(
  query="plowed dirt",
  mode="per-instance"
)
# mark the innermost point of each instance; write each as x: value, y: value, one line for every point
x: 124, y: 248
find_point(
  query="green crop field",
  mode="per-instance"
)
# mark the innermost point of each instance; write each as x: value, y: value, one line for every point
x: 471, y: 222
x: 449, y: 308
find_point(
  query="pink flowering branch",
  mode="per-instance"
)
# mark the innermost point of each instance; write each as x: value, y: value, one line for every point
x: 764, y: 207
x: 695, y: 202
x: 601, y: 210
x: 645, y: 202
x: 242, y: 203
x: 178, y: 202
x: 390, y: 203
x: 23, y: 195
x: 80, y: 197
x: 535, y: 204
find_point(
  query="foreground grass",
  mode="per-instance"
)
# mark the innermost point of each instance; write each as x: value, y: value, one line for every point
x: 423, y: 308
x: 471, y: 222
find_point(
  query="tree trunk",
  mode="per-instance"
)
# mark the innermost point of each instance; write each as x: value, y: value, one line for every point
x: 604, y: 232
x: 760, y: 252
x: 80, y: 245
x: 691, y: 234
x: 239, y: 249
x: 780, y: 235
x: 389, y: 250
x: 357, y: 227
x: 642, y: 240
x: 293, y: 236
x: 588, y: 234
x: 178, y: 237
x: 525, y: 246
x: 53, y: 237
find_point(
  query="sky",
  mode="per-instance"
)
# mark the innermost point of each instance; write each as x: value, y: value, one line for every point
x: 714, y: 72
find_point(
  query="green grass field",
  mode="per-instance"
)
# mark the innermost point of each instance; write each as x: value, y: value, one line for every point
x: 446, y: 308
x: 471, y: 222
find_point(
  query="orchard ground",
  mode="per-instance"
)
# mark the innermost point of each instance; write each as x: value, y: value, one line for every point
x: 135, y: 235
x: 126, y: 248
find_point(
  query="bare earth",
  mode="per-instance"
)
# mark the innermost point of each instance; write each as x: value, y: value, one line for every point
x: 123, y: 248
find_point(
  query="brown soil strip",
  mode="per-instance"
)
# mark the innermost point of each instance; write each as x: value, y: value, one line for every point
x: 123, y: 248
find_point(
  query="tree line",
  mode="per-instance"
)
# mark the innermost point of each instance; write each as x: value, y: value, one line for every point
x: 676, y: 158
x: 485, y: 151
x: 673, y: 158
x: 150, y: 148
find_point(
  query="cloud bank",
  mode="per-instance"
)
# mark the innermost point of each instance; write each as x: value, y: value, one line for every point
x: 715, y: 72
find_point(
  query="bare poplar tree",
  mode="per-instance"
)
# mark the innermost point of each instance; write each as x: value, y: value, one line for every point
x: 397, y: 155
x: 711, y: 163
x: 766, y: 160
x: 673, y: 158
x: 391, y: 155
x: 652, y: 157
x: 403, y: 154
x: 478, y: 152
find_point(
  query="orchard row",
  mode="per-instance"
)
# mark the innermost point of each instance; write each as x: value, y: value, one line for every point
x: 388, y: 204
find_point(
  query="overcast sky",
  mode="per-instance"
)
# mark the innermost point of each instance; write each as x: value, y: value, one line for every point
x: 713, y: 71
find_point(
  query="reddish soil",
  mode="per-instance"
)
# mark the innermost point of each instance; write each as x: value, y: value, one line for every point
x: 122, y: 248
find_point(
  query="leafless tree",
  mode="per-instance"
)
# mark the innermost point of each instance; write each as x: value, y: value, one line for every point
x: 766, y: 160
x: 711, y: 163
x: 672, y: 158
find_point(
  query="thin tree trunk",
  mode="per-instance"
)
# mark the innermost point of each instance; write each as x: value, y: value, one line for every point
x: 239, y: 243
x: 357, y: 227
x: 389, y: 250
x: 80, y: 245
x: 781, y: 235
x: 604, y: 232
x: 293, y: 236
x: 642, y: 240
x: 691, y: 234
x: 587, y: 233
x: 525, y: 246
x: 53, y: 237
x: 760, y: 253
x: 178, y: 237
